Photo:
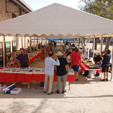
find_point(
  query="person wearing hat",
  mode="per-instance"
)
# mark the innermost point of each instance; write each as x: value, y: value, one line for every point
x: 49, y: 72
x: 62, y: 71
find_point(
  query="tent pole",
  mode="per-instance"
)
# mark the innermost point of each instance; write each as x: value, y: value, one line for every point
x: 4, y: 52
x: 24, y: 42
x: 93, y: 46
x: 21, y: 42
x: 11, y: 44
x: 30, y: 44
x: 74, y: 41
x: 37, y: 44
x: 101, y: 44
x: 23, y: 46
x: 46, y: 41
x: 16, y: 43
x: 33, y: 41
x: 82, y: 45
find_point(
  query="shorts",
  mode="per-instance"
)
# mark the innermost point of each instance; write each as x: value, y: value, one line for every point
x: 105, y: 67
x: 75, y: 68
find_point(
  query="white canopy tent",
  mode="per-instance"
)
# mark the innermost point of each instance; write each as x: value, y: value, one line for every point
x: 57, y: 21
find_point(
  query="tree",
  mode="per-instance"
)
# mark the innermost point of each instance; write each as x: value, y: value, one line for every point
x: 102, y: 8
x: 107, y: 43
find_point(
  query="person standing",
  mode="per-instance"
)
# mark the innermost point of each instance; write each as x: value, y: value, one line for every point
x: 69, y: 58
x: 67, y: 47
x: 76, y: 60
x: 49, y: 72
x: 64, y: 47
x: 43, y: 51
x: 55, y: 44
x: 64, y: 55
x: 62, y: 71
x: 105, y: 63
x: 97, y: 59
x: 23, y: 59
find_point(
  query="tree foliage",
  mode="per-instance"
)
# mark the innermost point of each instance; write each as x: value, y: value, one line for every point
x: 102, y: 8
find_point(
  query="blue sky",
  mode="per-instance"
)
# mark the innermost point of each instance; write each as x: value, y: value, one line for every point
x: 37, y: 4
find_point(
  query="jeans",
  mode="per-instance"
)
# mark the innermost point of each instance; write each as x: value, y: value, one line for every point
x: 64, y: 77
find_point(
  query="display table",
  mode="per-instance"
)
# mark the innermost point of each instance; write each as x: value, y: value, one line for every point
x: 9, y: 76
x: 85, y: 67
x: 14, y: 65
x: 35, y: 57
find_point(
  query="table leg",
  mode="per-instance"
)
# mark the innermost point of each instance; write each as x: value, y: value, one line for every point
x: 28, y: 85
x: 69, y: 85
x: 36, y: 84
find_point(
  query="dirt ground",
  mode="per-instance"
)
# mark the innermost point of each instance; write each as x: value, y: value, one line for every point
x: 85, y: 96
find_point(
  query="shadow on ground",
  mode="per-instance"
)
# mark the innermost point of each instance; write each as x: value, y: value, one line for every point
x: 34, y: 92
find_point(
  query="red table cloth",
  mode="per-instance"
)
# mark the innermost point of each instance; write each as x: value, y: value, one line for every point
x: 35, y: 57
x: 84, y: 67
x: 23, y: 77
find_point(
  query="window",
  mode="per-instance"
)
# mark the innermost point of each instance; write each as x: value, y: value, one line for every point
x: 13, y: 15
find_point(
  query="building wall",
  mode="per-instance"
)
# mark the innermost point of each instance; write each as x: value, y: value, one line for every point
x: 9, y: 10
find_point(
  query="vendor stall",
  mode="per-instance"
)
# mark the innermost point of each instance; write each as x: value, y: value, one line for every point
x: 56, y: 21
x: 87, y: 65
x: 28, y: 74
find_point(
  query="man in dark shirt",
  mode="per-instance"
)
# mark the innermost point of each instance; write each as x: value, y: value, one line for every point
x: 23, y: 59
x: 62, y: 71
x: 98, y: 60
x: 106, y: 64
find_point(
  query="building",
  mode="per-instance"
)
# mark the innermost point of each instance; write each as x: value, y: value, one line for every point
x: 10, y: 9
x: 13, y: 8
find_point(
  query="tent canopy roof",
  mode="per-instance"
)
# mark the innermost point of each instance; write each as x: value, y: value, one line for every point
x: 57, y: 21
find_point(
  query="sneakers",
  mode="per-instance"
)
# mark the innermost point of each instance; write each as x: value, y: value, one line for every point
x: 63, y: 91
x: 77, y: 79
x: 50, y: 93
x: 44, y: 91
x: 104, y: 80
x: 57, y: 91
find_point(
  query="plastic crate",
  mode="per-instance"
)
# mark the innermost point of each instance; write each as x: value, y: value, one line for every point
x: 16, y: 91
